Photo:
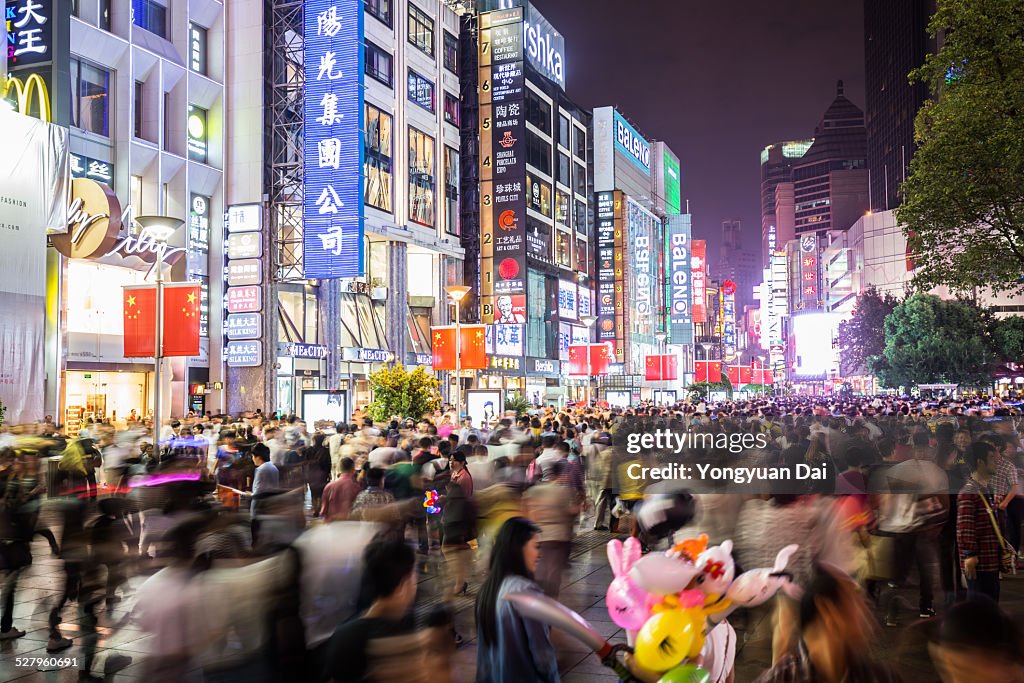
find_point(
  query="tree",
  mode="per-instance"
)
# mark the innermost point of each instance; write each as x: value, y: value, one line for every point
x: 862, y: 337
x: 930, y: 340
x: 397, y: 392
x: 1008, y: 338
x: 517, y: 402
x: 963, y: 206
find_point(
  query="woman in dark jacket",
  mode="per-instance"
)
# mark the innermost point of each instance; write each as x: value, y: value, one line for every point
x: 318, y: 469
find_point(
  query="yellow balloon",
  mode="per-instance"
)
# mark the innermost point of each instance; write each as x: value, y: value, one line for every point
x: 666, y: 639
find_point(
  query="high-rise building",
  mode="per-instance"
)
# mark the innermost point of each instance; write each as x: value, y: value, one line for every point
x: 737, y: 264
x: 777, y: 161
x: 831, y: 180
x: 896, y: 41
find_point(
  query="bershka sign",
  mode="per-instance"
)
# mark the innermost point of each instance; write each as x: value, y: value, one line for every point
x: 545, y: 47
x: 632, y: 144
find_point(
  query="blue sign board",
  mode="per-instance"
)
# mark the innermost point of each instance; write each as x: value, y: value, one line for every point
x: 632, y: 144
x: 333, y: 108
x: 679, y: 293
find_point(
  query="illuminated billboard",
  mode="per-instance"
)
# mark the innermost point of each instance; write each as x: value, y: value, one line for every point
x: 811, y: 340
x: 673, y: 184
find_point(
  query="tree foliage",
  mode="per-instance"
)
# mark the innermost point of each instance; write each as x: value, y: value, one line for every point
x: 517, y: 402
x: 398, y: 392
x: 963, y: 208
x: 930, y: 340
x: 1008, y: 339
x: 862, y: 337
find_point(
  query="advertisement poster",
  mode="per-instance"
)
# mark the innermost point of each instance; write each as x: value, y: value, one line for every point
x: 484, y: 405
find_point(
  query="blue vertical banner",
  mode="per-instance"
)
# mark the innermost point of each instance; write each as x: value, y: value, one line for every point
x: 678, y: 291
x: 333, y: 165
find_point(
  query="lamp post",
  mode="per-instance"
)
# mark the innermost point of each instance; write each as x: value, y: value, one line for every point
x: 457, y: 293
x: 661, y: 337
x: 160, y: 229
x: 589, y: 321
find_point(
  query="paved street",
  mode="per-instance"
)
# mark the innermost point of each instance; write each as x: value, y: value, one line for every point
x: 583, y: 590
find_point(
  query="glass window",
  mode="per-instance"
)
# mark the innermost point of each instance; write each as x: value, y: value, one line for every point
x: 562, y: 207
x: 451, y: 191
x: 451, y: 53
x: 377, y: 164
x: 538, y: 195
x: 378, y: 64
x: 197, y: 48
x: 421, y: 91
x: 580, y: 219
x: 580, y: 180
x: 421, y: 29
x: 580, y: 146
x: 151, y: 16
x: 451, y: 109
x: 421, y: 177
x: 379, y: 9
x: 581, y: 255
x: 538, y: 153
x: 538, y: 112
x: 563, y: 248
x: 90, y: 108
x: 537, y: 315
x: 563, y: 131
x: 105, y: 15
x: 138, y: 109
x: 563, y: 169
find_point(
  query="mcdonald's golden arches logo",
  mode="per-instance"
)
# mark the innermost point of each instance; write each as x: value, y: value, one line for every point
x: 23, y: 91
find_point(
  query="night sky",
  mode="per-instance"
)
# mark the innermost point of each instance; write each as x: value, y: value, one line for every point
x: 717, y: 80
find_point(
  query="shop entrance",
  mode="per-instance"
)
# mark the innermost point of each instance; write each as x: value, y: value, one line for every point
x: 104, y: 395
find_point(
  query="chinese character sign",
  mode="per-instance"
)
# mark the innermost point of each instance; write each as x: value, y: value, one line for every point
x: 29, y: 31
x: 333, y: 207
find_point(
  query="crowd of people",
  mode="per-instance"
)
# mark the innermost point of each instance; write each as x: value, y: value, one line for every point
x: 262, y: 548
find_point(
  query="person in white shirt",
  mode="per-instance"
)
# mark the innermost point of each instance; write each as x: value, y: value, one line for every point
x: 334, y: 443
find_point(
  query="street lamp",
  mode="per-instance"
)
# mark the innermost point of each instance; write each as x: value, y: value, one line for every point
x: 661, y: 336
x: 160, y: 229
x: 589, y: 321
x: 457, y: 293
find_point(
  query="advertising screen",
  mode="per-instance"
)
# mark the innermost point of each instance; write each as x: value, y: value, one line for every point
x: 330, y: 406
x: 673, y: 182
x: 483, y: 405
x: 679, y: 295
x: 812, y: 335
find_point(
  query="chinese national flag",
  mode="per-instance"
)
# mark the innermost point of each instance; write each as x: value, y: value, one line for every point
x: 708, y: 371
x: 139, y: 321
x: 474, y: 347
x: 443, y: 347
x: 578, y: 360
x: 734, y: 375
x: 181, y: 319
x: 769, y: 378
x: 662, y: 367
x: 745, y: 375
x: 600, y: 359
x: 756, y: 375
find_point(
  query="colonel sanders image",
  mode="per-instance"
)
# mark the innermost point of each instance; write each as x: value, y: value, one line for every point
x: 506, y: 316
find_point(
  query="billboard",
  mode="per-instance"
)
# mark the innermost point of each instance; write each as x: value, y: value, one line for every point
x: 808, y: 255
x: 609, y: 310
x: 698, y: 279
x: 544, y: 46
x: 333, y: 148
x: 811, y: 344
x: 679, y: 294
x: 673, y: 184
x: 502, y: 166
x: 642, y: 245
x: 631, y: 144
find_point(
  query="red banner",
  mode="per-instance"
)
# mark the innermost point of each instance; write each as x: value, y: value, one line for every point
x: 708, y: 371
x: 473, y: 347
x: 181, y: 320
x: 734, y: 375
x: 600, y: 360
x: 662, y: 367
x: 139, y: 321
x: 745, y: 375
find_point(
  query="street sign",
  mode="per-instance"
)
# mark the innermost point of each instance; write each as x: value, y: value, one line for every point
x: 243, y: 354
x: 245, y: 245
x: 244, y: 326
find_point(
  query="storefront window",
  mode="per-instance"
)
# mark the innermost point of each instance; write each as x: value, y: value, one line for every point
x: 90, y: 106
x: 537, y: 315
x: 95, y: 297
x: 377, y: 164
x: 451, y: 191
x: 421, y: 177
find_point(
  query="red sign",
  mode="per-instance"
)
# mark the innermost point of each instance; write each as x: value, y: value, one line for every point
x: 698, y: 278
x: 662, y: 367
x: 729, y: 287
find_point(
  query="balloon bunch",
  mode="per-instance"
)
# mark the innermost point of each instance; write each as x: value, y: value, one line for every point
x: 671, y: 598
x: 431, y: 501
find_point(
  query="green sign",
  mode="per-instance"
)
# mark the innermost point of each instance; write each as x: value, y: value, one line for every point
x: 672, y: 184
x: 88, y: 376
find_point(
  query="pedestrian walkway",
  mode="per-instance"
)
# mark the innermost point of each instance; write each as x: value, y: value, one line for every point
x: 583, y: 590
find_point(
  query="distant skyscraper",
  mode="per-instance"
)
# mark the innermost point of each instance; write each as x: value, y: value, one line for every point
x: 895, y: 43
x: 831, y: 180
x: 737, y: 264
x: 777, y: 162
